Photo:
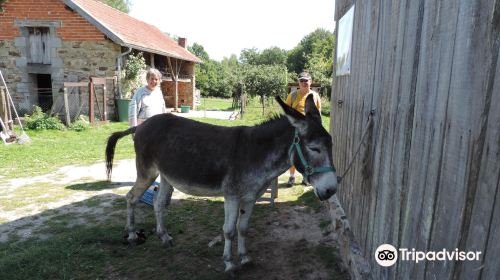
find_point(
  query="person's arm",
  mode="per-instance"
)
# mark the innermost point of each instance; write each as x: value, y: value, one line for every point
x: 132, y: 110
x: 163, y: 105
x: 289, y: 100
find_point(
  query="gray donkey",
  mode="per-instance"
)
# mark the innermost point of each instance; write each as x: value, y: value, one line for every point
x: 235, y: 162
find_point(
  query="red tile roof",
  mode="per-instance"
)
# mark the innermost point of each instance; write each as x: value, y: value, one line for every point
x: 128, y: 31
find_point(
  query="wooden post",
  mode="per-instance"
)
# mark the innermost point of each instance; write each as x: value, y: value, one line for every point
x: 91, y: 101
x: 4, y: 109
x: 104, y: 101
x: 115, y: 96
x: 66, y: 106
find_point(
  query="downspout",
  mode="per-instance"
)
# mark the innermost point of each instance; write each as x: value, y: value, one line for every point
x: 119, y: 62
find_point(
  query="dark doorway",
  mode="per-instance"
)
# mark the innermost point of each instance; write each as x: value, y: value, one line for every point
x: 44, y: 90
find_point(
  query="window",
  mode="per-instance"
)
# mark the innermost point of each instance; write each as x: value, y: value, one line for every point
x: 344, y: 39
x: 38, y: 47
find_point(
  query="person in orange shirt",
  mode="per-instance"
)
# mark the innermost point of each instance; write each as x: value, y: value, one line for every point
x: 297, y: 100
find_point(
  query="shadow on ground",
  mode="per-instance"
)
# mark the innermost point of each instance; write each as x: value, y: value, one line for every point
x: 99, y: 185
x: 84, y: 240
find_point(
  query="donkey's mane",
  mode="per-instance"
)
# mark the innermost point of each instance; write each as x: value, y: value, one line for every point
x: 273, y: 119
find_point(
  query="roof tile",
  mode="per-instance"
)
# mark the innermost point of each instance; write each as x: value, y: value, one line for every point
x: 128, y: 31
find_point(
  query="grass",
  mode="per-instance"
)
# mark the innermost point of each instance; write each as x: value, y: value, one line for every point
x: 92, y: 247
x: 52, y: 149
x: 216, y: 104
x: 71, y: 244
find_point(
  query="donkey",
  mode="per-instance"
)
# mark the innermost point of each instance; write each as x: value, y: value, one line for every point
x: 235, y: 162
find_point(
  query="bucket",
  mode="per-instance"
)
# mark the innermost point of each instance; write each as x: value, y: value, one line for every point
x: 122, y: 105
x: 184, y: 109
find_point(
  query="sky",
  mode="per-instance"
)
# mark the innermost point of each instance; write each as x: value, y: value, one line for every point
x: 225, y: 27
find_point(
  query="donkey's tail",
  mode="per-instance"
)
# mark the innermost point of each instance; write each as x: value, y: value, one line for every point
x: 110, y: 148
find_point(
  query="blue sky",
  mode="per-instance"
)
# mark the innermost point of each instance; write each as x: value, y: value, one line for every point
x: 225, y: 27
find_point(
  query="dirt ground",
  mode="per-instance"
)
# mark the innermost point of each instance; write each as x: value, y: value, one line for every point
x: 292, y: 242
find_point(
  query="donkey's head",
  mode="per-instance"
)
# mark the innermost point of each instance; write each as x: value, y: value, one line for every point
x: 311, y: 148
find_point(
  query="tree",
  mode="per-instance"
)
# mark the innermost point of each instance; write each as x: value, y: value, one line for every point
x: 130, y: 79
x: 265, y: 81
x: 121, y: 5
x: 269, y: 56
x: 273, y: 56
x: 199, y: 51
x: 250, y: 56
x: 318, y: 42
x: 1, y: 3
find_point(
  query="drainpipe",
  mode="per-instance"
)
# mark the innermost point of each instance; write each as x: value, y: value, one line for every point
x: 119, y: 62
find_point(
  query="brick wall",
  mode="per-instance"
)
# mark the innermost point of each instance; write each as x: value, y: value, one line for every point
x: 185, y: 93
x: 73, y: 26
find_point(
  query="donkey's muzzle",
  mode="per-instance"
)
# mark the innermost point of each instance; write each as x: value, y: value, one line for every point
x: 326, y: 194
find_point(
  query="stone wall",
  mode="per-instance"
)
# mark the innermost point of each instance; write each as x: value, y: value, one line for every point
x: 72, y: 62
x: 77, y: 49
x: 9, y: 54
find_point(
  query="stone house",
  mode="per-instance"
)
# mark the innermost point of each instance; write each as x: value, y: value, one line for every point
x: 48, y: 42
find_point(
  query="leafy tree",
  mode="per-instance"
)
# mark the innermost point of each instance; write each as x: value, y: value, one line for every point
x: 121, y: 5
x: 265, y: 81
x: 250, y: 56
x: 199, y: 51
x: 1, y: 3
x: 265, y: 74
x: 319, y: 42
x: 130, y: 79
x: 269, y: 56
x: 273, y: 56
x: 231, y: 62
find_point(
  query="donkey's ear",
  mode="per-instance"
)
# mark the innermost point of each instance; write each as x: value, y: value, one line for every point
x: 294, y: 117
x: 311, y: 109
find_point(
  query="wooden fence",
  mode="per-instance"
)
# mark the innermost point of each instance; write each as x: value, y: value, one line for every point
x: 428, y: 173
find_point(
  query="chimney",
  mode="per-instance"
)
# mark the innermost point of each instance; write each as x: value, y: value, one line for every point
x: 182, y: 42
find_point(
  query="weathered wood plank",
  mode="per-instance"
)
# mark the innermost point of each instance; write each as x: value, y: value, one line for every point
x: 430, y: 109
x: 76, y: 84
x: 427, y: 66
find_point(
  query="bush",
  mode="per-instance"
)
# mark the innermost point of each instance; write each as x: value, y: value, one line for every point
x: 131, y: 80
x: 41, y: 121
x: 325, y: 106
x: 80, y: 125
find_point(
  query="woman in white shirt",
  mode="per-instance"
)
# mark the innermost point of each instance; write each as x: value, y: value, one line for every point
x: 147, y: 100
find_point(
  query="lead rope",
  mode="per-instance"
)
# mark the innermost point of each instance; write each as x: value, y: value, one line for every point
x: 368, y: 123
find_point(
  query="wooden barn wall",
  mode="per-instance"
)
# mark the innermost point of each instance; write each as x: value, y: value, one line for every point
x: 428, y: 174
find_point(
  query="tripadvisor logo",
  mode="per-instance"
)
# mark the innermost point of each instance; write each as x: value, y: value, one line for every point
x: 387, y: 255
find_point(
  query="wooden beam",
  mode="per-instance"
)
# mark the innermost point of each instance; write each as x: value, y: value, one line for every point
x: 91, y: 102
x: 80, y: 84
x: 66, y: 107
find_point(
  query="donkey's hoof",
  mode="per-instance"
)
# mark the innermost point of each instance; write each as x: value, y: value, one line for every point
x: 167, y: 242
x: 246, y: 260
x: 130, y: 238
x: 230, y: 267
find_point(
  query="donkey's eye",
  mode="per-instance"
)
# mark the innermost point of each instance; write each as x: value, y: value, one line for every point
x: 314, y: 149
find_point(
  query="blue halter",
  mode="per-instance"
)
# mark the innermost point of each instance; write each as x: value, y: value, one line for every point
x: 308, y: 170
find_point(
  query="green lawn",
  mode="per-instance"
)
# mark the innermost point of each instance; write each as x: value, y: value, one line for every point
x: 72, y: 243
x: 51, y: 149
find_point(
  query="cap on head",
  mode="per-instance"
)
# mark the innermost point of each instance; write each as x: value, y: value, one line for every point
x: 305, y: 76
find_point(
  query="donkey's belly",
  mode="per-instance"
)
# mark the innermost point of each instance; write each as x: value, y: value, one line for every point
x: 196, y: 189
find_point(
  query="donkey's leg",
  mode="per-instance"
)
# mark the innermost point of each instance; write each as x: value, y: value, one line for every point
x: 162, y: 199
x: 246, y: 209
x: 231, y: 205
x: 133, y: 196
